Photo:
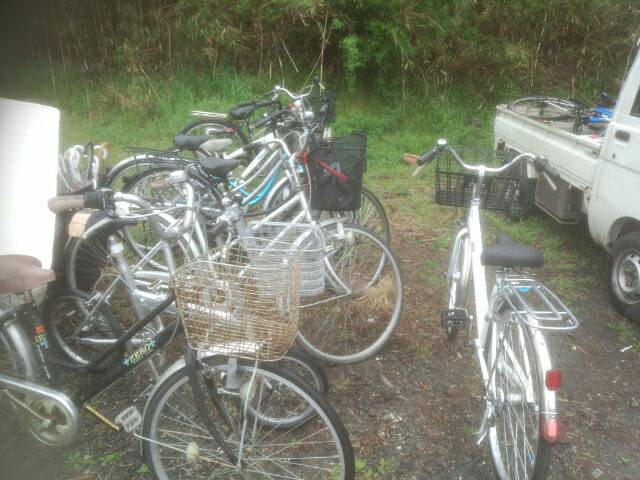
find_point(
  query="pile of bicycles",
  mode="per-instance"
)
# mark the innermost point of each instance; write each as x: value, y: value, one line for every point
x: 207, y: 261
x: 245, y: 237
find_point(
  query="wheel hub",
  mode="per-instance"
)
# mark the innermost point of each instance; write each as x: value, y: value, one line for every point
x: 628, y: 276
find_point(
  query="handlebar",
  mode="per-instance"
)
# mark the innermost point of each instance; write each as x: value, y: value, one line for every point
x: 268, y: 118
x: 104, y: 199
x: 443, y: 145
x: 101, y: 199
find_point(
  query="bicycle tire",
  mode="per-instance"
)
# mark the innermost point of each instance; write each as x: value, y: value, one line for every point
x: 17, y: 358
x: 187, y: 448
x: 300, y: 363
x: 57, y: 323
x: 546, y: 108
x: 458, y: 275
x: 121, y: 174
x: 370, y: 215
x: 304, y: 367
x: 373, y: 308
x: 508, y: 389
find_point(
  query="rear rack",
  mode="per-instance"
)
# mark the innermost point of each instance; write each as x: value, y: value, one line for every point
x: 536, y: 305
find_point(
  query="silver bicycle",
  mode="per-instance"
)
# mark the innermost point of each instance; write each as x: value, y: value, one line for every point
x: 512, y: 320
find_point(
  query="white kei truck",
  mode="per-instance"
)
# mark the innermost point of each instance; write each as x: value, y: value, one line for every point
x: 588, y: 175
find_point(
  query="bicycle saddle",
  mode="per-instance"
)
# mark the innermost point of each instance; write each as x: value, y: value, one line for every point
x: 189, y: 142
x: 19, y: 273
x: 218, y: 167
x: 507, y: 253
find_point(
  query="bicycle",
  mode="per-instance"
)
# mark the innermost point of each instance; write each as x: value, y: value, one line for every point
x: 209, y: 413
x: 552, y: 109
x: 82, y: 324
x: 520, y: 417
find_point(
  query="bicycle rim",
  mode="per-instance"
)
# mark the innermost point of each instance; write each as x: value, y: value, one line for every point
x: 351, y: 326
x: 179, y: 446
x: 517, y: 446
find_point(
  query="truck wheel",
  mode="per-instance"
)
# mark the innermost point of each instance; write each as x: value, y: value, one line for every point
x: 623, y: 272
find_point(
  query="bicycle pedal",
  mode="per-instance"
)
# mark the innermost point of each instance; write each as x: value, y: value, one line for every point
x: 454, y: 317
x: 130, y: 419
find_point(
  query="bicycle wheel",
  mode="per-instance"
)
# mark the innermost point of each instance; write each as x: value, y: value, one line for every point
x: 516, y: 389
x: 76, y: 334
x: 177, y: 445
x: 305, y: 367
x: 121, y: 174
x: 89, y: 265
x: 371, y: 215
x: 16, y: 359
x: 356, y: 315
x: 458, y: 278
x: 546, y: 108
x: 140, y: 237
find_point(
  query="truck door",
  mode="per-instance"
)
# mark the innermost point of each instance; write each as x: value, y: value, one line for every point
x: 616, y: 193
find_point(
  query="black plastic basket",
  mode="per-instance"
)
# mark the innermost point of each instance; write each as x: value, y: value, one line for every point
x: 336, y: 166
x: 454, y: 184
x: 328, y: 100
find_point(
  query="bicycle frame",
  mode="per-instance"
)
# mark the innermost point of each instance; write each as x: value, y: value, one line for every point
x: 485, y: 308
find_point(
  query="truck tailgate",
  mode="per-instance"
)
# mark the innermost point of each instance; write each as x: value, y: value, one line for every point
x: 574, y: 156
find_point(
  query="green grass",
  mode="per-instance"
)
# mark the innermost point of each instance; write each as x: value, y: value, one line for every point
x: 627, y: 334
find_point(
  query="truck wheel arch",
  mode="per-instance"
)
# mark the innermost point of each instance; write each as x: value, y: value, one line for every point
x: 621, y: 227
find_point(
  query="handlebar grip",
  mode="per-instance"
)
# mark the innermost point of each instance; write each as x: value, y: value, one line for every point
x: 65, y: 202
x: 219, y: 228
x: 428, y: 157
x: 542, y: 164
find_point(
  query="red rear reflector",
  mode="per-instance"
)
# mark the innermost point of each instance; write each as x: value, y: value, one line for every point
x: 553, y: 379
x: 550, y: 430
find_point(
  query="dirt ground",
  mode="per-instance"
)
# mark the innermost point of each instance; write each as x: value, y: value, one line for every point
x: 412, y: 411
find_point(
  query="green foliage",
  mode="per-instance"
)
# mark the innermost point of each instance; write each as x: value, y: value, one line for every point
x: 352, y: 58
x: 389, y: 44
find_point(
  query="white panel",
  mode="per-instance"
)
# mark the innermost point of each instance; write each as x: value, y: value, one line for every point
x: 28, y: 168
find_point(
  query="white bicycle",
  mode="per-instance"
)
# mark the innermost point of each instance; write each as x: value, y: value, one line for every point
x: 512, y: 322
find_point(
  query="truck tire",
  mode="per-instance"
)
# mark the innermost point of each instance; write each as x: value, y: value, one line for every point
x: 623, y: 274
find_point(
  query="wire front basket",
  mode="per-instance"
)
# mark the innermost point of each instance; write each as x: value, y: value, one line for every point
x: 310, y: 240
x: 243, y: 300
x: 535, y: 305
x: 454, y: 185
